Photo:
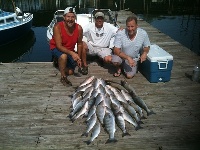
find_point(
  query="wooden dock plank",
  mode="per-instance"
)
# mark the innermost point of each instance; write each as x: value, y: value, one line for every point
x: 34, y: 105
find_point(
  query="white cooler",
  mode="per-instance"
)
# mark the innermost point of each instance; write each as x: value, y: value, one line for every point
x: 158, y: 65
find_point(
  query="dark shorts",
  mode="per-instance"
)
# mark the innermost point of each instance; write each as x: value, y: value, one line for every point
x: 71, y: 63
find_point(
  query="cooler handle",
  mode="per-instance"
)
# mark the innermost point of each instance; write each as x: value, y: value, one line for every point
x: 163, y: 62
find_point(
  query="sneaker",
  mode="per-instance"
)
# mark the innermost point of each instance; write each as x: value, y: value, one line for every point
x: 85, y: 70
x: 77, y: 74
x: 65, y: 81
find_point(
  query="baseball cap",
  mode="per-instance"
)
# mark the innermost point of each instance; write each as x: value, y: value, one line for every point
x: 69, y: 10
x: 99, y: 14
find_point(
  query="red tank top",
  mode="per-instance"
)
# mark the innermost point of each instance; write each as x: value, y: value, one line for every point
x: 68, y: 41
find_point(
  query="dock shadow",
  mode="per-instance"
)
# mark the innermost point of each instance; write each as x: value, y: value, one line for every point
x: 108, y: 66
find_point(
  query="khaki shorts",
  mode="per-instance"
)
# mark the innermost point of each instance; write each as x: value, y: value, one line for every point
x: 99, y: 51
x: 131, y: 71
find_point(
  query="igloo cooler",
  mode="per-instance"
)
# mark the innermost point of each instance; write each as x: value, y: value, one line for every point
x: 158, y: 65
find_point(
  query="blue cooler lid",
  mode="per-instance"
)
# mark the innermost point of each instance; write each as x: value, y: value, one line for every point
x: 156, y: 53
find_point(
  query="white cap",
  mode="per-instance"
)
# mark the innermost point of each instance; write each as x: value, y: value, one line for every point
x: 69, y: 10
x: 99, y: 14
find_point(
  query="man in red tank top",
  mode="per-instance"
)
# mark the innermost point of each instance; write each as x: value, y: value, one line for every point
x: 65, y: 36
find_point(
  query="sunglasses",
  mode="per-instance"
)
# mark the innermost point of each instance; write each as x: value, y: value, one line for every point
x: 99, y: 34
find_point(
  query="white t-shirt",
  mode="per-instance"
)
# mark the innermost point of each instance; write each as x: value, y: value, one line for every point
x: 99, y: 37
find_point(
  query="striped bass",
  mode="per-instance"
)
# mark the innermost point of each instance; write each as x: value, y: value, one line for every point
x: 87, y: 81
x: 133, y: 113
x: 90, y: 124
x: 100, y: 111
x: 109, y: 122
x: 121, y: 124
x: 136, y: 98
x: 95, y: 132
x: 92, y: 110
x: 81, y: 112
x: 129, y: 119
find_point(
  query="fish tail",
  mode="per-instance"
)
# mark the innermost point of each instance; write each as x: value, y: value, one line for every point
x: 73, y: 119
x: 140, y: 122
x: 113, y: 140
x: 143, y: 117
x: 69, y: 116
x: 85, y: 121
x: 88, y: 142
x: 85, y: 134
x: 150, y: 113
x: 125, y: 134
x: 138, y: 127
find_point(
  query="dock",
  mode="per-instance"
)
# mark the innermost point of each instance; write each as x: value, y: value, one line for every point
x: 34, y: 105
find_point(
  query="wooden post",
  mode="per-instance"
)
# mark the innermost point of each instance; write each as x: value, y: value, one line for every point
x: 13, y: 3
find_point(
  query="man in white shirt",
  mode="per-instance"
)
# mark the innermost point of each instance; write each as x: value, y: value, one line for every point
x: 98, y: 37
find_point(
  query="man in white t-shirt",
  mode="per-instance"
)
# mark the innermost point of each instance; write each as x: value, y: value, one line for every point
x: 99, y: 36
x: 131, y: 44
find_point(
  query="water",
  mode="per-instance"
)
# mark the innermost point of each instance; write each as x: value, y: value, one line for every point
x: 183, y: 28
x: 34, y: 48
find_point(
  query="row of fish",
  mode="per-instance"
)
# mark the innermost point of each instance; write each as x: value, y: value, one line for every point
x: 103, y: 104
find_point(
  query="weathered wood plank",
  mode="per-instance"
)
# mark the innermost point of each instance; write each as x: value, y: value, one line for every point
x: 34, y: 105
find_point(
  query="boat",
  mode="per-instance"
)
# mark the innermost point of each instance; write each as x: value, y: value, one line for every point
x: 14, y: 25
x: 84, y: 16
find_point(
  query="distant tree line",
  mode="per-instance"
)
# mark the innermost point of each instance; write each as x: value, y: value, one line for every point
x: 136, y: 6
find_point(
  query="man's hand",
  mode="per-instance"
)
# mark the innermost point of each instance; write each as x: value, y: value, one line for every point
x: 131, y: 62
x: 77, y: 59
x: 143, y: 57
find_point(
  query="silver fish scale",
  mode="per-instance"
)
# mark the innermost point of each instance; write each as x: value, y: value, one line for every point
x: 104, y: 104
x: 109, y: 121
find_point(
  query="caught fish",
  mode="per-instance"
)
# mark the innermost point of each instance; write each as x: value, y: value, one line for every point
x: 108, y: 91
x: 114, y: 100
x: 81, y: 112
x: 76, y: 95
x: 90, y: 124
x: 136, y: 98
x: 117, y: 94
x: 129, y: 119
x: 102, y: 103
x: 133, y: 113
x: 109, y: 122
x: 100, y: 111
x: 87, y: 81
x: 127, y: 96
x: 76, y: 101
x: 121, y: 124
x: 95, y: 132
x: 143, y: 105
x: 77, y: 108
x: 94, y: 93
x: 92, y: 110
x: 129, y: 88
x: 83, y: 88
x: 88, y: 90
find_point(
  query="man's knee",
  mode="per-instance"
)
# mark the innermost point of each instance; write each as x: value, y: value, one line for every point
x: 129, y: 76
x: 107, y: 59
